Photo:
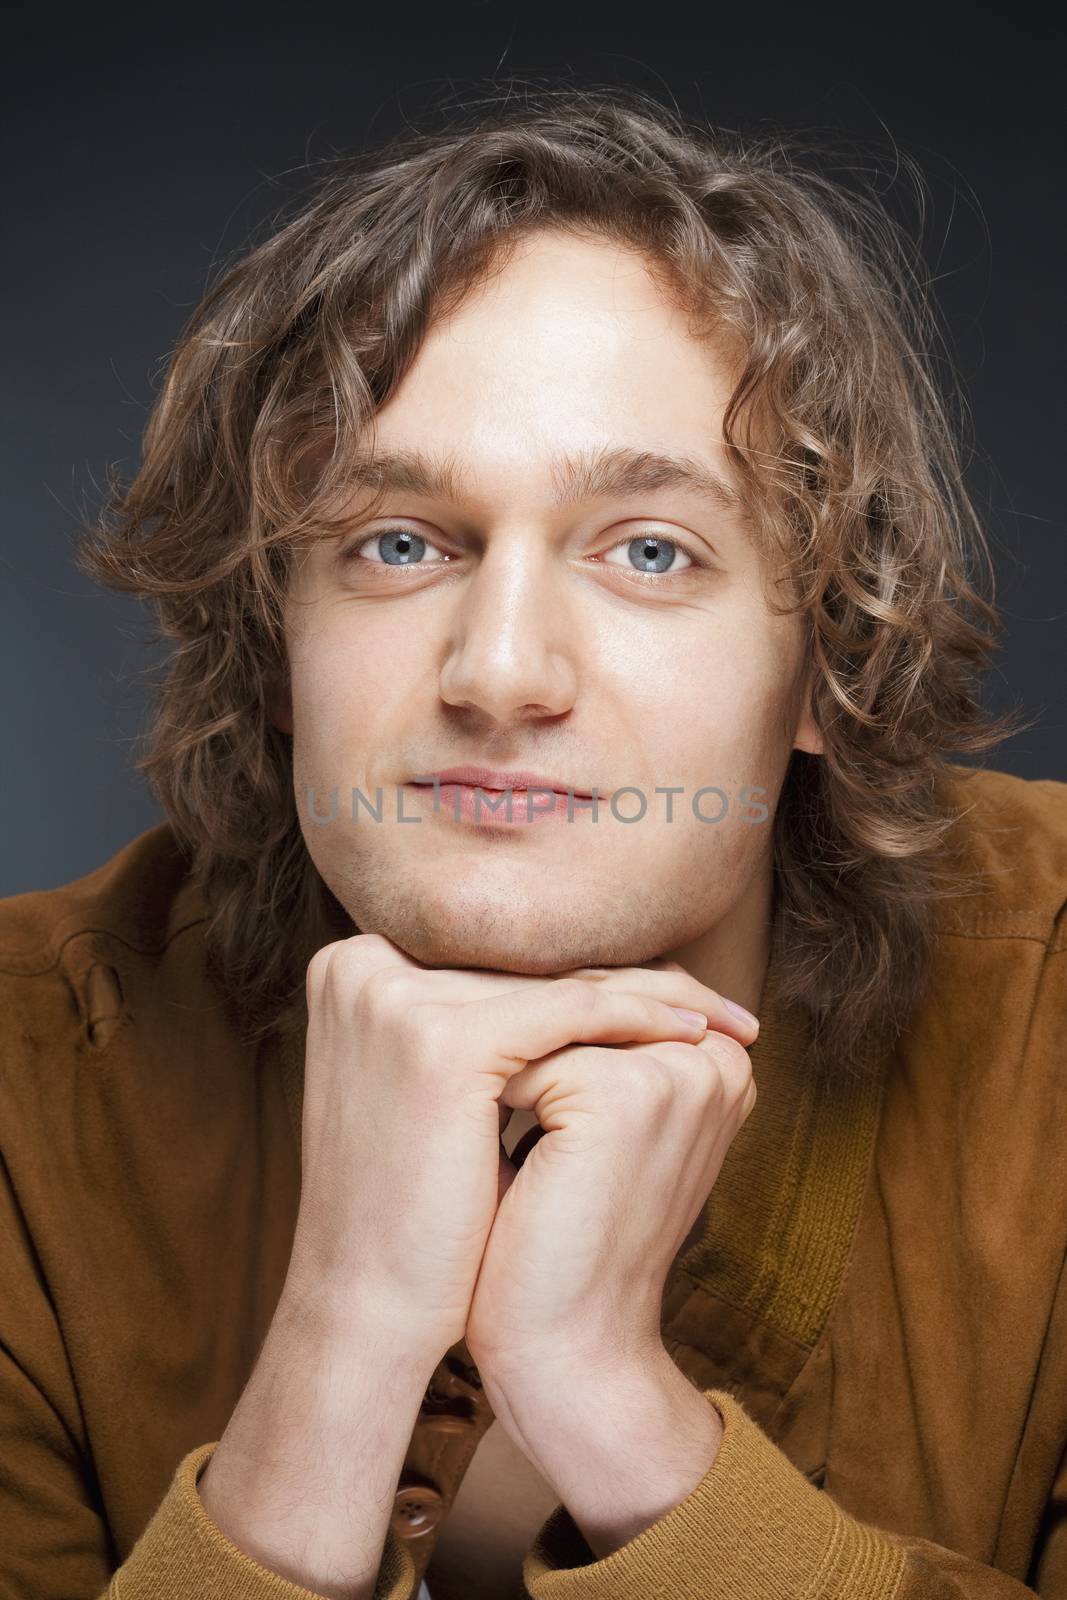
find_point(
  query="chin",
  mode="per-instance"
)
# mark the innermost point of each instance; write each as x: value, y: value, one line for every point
x: 534, y: 931
x: 536, y: 944
x: 451, y: 948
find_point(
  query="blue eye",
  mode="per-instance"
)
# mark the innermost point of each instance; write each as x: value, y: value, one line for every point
x: 649, y: 555
x: 652, y: 553
x: 404, y: 546
x: 397, y: 547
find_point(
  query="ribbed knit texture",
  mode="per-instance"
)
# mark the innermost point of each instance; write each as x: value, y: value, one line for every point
x: 783, y: 1209
x: 181, y: 1538
x: 754, y: 1528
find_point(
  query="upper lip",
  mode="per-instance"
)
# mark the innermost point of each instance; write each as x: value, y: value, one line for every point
x: 487, y: 778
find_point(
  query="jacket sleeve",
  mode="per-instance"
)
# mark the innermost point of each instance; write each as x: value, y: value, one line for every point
x: 56, y: 1544
x: 755, y: 1528
x: 182, y: 1552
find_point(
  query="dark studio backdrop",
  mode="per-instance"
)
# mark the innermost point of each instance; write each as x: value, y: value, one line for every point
x: 142, y: 153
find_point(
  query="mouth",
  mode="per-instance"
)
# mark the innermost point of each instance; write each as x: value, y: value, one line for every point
x: 501, y: 799
x: 498, y: 782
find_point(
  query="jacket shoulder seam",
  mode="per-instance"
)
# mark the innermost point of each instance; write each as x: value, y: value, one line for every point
x: 56, y: 954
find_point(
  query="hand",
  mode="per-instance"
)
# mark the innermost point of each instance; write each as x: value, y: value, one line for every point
x: 405, y: 1066
x: 634, y: 1137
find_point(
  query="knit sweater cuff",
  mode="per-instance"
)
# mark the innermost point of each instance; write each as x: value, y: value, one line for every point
x: 753, y: 1527
x: 181, y: 1552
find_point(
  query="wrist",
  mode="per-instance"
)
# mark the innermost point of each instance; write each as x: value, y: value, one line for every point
x: 561, y: 1415
x: 578, y: 1367
x: 305, y: 1473
x: 620, y: 1448
x: 355, y: 1329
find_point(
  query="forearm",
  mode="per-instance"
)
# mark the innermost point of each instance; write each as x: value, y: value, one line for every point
x: 304, y: 1477
x: 620, y: 1450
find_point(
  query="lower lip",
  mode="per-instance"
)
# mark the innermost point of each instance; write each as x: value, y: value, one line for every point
x: 489, y: 808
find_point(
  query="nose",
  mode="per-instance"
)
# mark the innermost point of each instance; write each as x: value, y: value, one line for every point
x: 511, y: 651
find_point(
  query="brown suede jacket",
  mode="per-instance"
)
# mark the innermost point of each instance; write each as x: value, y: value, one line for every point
x: 876, y: 1300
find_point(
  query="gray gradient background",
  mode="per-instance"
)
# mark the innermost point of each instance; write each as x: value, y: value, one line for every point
x: 139, y: 159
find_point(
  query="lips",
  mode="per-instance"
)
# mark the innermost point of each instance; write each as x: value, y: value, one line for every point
x: 489, y: 780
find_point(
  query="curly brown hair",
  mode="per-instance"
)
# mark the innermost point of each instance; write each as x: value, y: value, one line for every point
x: 838, y: 436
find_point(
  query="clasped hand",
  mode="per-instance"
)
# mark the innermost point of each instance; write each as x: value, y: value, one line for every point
x: 634, y: 1136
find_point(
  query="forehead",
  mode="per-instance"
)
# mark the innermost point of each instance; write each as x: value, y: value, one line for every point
x: 566, y: 368
x: 573, y: 328
x: 564, y: 374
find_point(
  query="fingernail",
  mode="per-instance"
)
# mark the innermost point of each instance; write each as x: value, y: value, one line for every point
x: 695, y: 1019
x: 741, y: 1014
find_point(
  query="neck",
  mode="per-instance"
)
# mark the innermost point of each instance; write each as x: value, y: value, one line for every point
x: 732, y: 956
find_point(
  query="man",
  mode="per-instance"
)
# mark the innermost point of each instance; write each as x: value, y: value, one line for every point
x: 575, y: 464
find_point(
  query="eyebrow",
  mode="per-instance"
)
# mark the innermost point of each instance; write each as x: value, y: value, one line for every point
x: 619, y: 471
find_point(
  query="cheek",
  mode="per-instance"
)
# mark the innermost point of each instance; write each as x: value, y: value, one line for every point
x: 341, y: 690
x: 735, y: 702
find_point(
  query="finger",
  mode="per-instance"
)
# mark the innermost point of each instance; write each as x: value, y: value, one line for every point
x: 653, y: 964
x: 363, y: 953
x: 510, y: 1030
x: 671, y: 983
x: 696, y: 1065
x: 661, y: 964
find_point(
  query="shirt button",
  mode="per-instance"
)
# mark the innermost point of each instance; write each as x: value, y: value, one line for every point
x: 418, y: 1508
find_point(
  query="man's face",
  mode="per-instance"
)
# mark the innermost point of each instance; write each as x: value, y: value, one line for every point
x: 619, y: 639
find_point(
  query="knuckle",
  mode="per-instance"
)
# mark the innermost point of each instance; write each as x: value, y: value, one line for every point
x: 577, y: 993
x: 369, y: 944
x: 373, y: 997
x: 660, y: 1013
x: 733, y: 1062
x: 318, y: 968
x: 392, y: 1009
x: 427, y: 1026
x: 345, y: 958
x: 385, y: 989
x: 649, y: 1077
x: 366, y: 952
x: 687, y: 1069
